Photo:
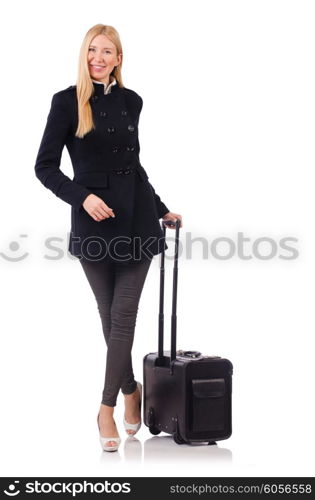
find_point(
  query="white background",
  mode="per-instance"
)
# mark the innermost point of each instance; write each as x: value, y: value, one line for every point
x: 227, y: 138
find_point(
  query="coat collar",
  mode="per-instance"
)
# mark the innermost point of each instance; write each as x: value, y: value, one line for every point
x: 102, y: 88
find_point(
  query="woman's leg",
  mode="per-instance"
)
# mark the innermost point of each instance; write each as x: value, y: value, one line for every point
x: 101, y: 277
x: 108, y: 281
x: 129, y: 281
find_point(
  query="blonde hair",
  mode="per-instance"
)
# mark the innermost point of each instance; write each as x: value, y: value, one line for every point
x: 85, y: 87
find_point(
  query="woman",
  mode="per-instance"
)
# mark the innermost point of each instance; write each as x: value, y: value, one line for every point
x: 115, y: 212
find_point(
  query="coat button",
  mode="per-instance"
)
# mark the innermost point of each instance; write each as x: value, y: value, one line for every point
x: 111, y: 129
x: 130, y: 148
x: 131, y: 128
x: 103, y: 114
x: 124, y: 112
x: 115, y: 149
x: 94, y: 98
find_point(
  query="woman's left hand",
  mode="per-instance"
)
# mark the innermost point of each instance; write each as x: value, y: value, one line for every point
x: 172, y: 216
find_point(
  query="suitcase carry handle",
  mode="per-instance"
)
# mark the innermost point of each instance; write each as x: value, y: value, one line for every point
x: 166, y: 223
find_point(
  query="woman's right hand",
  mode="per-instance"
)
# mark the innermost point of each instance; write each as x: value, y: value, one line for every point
x: 97, y: 208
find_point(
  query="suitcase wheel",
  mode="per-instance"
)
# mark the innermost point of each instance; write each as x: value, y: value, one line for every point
x: 178, y: 439
x: 154, y: 430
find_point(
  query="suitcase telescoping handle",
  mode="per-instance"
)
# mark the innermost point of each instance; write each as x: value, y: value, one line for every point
x: 166, y: 223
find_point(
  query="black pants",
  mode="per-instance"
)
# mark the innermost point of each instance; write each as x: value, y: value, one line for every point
x: 117, y: 289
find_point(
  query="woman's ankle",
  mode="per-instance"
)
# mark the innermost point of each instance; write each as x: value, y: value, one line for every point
x: 106, y: 411
x: 132, y: 395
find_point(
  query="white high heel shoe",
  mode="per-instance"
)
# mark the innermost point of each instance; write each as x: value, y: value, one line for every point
x: 134, y: 427
x: 104, y: 440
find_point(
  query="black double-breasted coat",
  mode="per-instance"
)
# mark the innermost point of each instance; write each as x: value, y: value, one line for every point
x: 105, y: 162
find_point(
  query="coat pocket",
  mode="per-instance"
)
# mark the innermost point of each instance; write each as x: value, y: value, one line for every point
x: 92, y: 179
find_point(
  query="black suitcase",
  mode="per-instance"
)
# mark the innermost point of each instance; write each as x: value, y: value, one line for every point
x: 185, y: 393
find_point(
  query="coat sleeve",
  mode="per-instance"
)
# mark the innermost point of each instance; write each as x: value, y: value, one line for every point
x: 161, y: 208
x: 49, y: 156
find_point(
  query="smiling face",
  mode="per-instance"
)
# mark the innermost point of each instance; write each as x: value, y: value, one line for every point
x: 102, y: 58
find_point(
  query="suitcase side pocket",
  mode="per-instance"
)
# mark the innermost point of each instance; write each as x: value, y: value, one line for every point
x: 208, y: 404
